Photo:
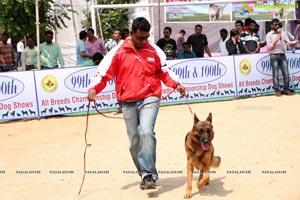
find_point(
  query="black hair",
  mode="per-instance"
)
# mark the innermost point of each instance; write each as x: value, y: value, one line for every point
x: 118, y: 29
x: 274, y: 20
x: 224, y: 30
x: 49, y: 32
x: 140, y: 23
x: 198, y: 25
x: 97, y: 56
x: 5, y: 34
x: 248, y: 21
x: 125, y: 32
x: 82, y: 34
x: 91, y: 30
x: 168, y: 28
x: 239, y: 22
x: 182, y: 31
x: 234, y: 32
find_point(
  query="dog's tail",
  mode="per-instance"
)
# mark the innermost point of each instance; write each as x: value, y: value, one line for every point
x: 216, y: 161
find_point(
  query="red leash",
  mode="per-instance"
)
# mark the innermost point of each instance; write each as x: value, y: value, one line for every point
x: 86, y: 146
x: 86, y: 128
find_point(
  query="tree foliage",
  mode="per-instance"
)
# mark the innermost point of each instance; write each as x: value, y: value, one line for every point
x: 18, y: 17
x: 110, y: 18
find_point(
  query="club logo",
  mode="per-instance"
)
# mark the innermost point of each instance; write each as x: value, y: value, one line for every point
x: 245, y: 67
x: 49, y: 83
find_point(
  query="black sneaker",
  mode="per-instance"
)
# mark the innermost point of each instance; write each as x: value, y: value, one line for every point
x: 147, y: 183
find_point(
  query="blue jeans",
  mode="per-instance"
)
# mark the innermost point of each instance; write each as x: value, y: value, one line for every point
x: 140, y: 122
x: 277, y: 61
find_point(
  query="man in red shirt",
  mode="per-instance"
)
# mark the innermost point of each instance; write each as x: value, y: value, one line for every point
x: 139, y: 66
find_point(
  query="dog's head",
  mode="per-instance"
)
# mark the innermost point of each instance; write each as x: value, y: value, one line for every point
x: 203, y: 131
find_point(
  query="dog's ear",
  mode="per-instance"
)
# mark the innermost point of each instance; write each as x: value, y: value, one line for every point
x: 196, y: 120
x: 209, y: 117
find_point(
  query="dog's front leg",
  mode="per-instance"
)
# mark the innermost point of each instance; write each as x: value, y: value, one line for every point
x: 204, y: 180
x: 189, y: 179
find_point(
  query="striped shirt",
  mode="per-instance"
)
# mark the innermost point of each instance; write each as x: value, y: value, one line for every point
x: 250, y: 41
x: 7, y: 56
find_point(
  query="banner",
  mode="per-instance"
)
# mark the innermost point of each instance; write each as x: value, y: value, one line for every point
x: 205, y: 78
x: 17, y: 96
x: 40, y: 93
x: 64, y: 91
x: 196, y: 13
x: 254, y: 73
x: 260, y: 10
x: 264, y: 10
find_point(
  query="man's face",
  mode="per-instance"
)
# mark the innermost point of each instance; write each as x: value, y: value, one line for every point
x: 275, y: 26
x: 252, y: 27
x: 48, y: 38
x: 238, y: 27
x: 90, y: 34
x: 117, y: 35
x: 186, y: 48
x: 4, y: 38
x: 167, y: 33
x: 139, y: 38
x: 30, y: 43
x: 198, y: 30
x: 223, y: 35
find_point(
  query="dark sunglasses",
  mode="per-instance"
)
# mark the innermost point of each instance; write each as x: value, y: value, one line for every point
x: 141, y: 38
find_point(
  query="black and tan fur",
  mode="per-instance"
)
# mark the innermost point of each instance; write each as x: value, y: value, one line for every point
x: 200, y: 152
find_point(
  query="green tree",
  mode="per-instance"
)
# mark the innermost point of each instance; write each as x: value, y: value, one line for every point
x: 110, y: 18
x: 18, y: 16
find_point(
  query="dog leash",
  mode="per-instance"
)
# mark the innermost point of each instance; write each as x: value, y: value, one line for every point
x: 86, y: 146
x: 188, y: 105
x: 86, y: 128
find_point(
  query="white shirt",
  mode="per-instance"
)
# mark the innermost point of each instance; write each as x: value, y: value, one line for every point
x: 20, y: 47
x: 26, y: 57
x: 222, y: 46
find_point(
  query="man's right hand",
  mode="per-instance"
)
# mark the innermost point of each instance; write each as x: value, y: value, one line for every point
x: 91, y: 95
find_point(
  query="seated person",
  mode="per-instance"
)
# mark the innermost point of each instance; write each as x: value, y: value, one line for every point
x: 186, y: 53
x: 97, y: 58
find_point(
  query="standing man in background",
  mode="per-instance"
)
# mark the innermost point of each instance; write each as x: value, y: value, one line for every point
x: 81, y: 49
x: 50, y: 53
x: 7, y: 56
x: 117, y: 36
x: 179, y: 38
x: 297, y: 32
x: 276, y: 42
x: 95, y: 44
x: 199, y: 42
x: 26, y: 59
x: 223, y: 40
x: 250, y: 39
x: 167, y: 44
x: 20, y: 49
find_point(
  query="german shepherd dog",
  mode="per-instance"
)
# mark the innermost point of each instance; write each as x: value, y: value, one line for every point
x: 200, y: 152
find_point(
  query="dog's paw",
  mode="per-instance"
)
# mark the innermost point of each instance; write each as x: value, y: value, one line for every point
x: 188, y: 195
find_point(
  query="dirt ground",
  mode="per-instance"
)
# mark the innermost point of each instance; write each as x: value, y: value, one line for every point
x: 257, y: 138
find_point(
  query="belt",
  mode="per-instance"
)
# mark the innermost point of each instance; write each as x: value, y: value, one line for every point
x: 6, y: 68
x: 45, y: 67
x: 280, y: 54
x: 29, y: 67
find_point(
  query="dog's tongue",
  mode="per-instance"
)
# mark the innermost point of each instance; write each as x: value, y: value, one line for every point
x: 205, y: 146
